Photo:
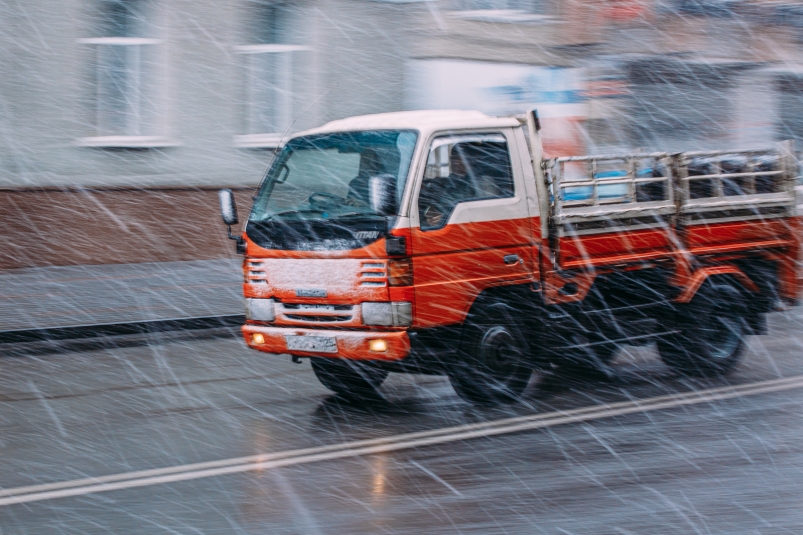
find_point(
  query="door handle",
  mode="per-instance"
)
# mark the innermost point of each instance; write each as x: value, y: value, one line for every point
x: 511, y: 259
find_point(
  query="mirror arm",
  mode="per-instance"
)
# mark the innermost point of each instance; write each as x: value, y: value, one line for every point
x: 240, y: 242
x: 232, y: 237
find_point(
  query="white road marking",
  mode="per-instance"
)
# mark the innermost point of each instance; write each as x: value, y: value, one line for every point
x: 172, y: 474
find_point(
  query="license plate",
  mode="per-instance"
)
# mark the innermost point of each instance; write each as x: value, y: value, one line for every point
x: 315, y: 344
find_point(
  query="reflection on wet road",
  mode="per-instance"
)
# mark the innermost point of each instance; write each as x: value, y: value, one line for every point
x: 717, y: 465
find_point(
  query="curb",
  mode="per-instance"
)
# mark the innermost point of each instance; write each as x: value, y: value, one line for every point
x: 51, y: 334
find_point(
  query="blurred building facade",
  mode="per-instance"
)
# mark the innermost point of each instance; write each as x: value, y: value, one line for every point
x: 186, y: 95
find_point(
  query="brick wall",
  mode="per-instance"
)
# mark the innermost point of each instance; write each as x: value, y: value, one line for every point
x: 71, y: 226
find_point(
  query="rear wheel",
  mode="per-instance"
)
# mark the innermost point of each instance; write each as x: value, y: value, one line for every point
x: 710, y: 334
x: 349, y: 378
x: 492, y: 363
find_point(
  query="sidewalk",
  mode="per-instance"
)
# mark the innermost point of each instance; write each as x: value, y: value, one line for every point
x: 119, y: 293
x: 69, y: 296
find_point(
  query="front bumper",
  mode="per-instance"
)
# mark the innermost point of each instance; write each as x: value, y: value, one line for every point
x: 351, y: 345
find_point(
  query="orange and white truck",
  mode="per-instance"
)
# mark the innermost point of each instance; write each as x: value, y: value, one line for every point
x: 443, y: 242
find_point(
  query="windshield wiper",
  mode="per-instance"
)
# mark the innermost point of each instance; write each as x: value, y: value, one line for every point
x: 291, y: 212
x: 353, y: 214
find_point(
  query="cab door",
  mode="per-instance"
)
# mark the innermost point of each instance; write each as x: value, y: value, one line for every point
x: 471, y: 224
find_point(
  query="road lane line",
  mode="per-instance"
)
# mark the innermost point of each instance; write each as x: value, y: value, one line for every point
x: 367, y: 442
x: 187, y: 472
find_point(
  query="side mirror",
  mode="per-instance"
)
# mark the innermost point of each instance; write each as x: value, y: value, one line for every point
x: 382, y: 194
x: 228, y: 209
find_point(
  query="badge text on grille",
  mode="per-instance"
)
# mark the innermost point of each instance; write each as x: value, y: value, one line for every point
x: 367, y: 234
x: 310, y: 293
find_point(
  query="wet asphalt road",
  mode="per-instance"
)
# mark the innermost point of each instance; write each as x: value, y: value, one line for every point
x: 730, y: 466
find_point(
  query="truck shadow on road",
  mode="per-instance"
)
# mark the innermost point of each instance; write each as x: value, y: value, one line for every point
x: 406, y: 410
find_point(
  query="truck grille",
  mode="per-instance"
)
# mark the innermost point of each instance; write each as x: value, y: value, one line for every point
x: 255, y: 272
x: 316, y: 313
x: 299, y: 317
x: 374, y: 273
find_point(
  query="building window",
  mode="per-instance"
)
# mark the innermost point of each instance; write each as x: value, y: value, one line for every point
x: 680, y: 105
x: 124, y: 57
x: 790, y: 108
x: 270, y: 63
x: 471, y: 5
x: 501, y: 10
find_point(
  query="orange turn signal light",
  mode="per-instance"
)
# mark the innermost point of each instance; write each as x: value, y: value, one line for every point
x: 378, y: 346
x: 400, y: 272
x: 258, y: 338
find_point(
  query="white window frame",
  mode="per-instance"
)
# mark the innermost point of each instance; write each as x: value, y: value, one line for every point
x: 123, y: 140
x: 498, y: 14
x: 515, y: 206
x: 284, y: 92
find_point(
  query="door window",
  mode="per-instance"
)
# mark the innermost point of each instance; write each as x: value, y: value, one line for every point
x: 461, y: 169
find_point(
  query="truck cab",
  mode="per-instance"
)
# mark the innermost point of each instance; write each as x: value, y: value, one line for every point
x: 386, y: 222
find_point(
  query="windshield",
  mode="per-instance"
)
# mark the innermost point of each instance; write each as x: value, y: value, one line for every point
x: 327, y: 176
x: 332, y: 191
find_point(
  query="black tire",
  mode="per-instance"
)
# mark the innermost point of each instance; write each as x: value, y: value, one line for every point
x: 492, y: 364
x: 349, y: 378
x: 710, y: 334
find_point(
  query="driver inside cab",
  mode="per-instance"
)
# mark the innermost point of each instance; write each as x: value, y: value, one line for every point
x: 438, y: 195
x: 370, y: 165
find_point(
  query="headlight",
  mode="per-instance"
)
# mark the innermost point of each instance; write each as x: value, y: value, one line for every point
x: 396, y: 314
x: 259, y: 309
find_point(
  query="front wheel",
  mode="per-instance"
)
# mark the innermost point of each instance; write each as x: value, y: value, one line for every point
x: 710, y: 338
x: 492, y: 362
x: 349, y: 378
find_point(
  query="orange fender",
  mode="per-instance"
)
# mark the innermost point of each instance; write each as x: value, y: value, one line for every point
x: 697, y: 279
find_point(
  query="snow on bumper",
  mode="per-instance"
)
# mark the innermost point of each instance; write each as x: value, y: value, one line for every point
x: 353, y: 345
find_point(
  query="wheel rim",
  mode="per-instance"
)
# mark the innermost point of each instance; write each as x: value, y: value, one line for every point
x: 499, y: 353
x: 723, y: 336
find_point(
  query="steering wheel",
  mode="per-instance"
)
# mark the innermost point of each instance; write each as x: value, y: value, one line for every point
x: 321, y: 199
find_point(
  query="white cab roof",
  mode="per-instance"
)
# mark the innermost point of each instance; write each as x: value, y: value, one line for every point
x: 425, y: 121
